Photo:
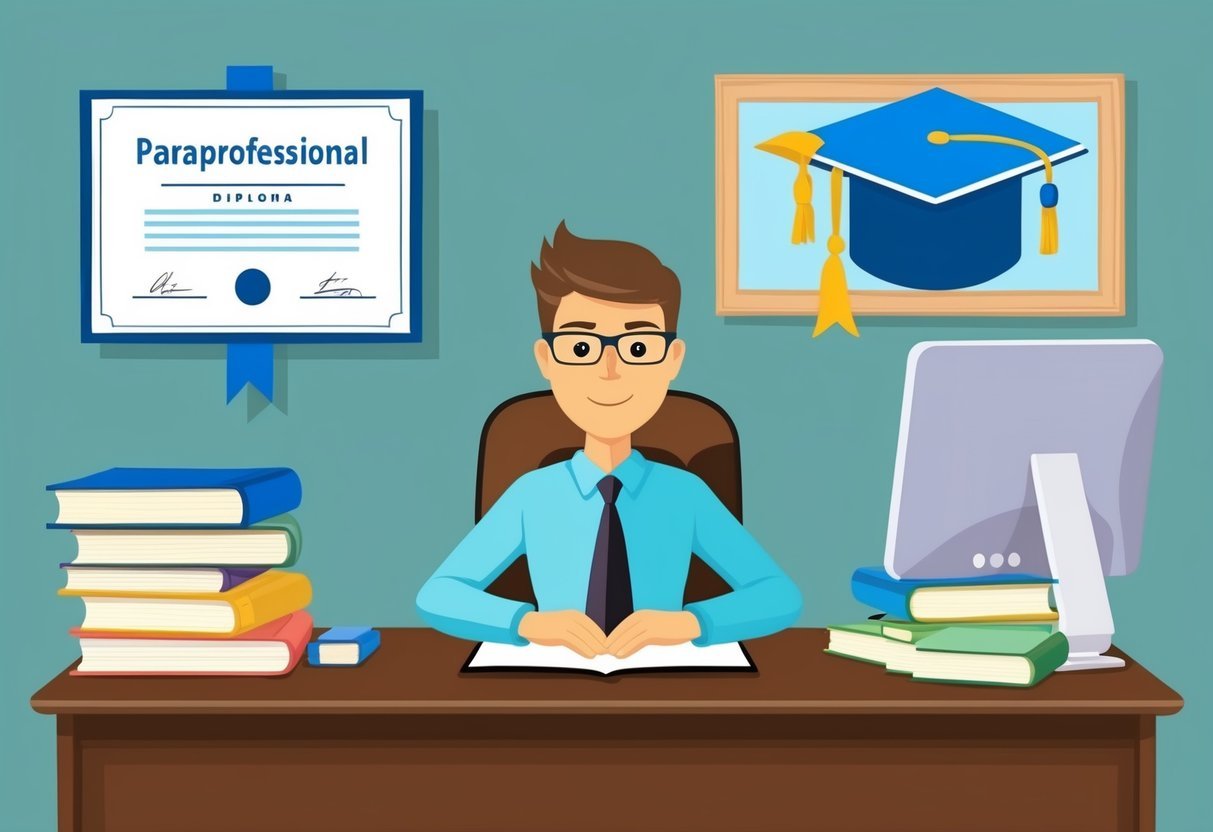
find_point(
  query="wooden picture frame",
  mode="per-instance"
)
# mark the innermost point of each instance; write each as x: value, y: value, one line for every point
x: 1106, y: 91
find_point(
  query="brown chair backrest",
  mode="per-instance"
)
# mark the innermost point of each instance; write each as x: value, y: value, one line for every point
x: 530, y: 431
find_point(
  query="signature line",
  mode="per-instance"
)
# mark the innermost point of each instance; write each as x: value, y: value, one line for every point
x: 337, y: 297
x: 169, y: 297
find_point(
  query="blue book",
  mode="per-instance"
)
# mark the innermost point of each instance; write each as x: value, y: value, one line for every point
x: 343, y: 646
x: 174, y: 497
x: 988, y: 598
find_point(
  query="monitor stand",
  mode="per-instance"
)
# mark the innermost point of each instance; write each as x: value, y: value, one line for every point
x: 1085, y: 615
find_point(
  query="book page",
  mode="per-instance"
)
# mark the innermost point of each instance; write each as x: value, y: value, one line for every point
x: 654, y: 657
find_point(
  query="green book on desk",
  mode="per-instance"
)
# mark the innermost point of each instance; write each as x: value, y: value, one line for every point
x: 984, y: 656
x: 866, y: 641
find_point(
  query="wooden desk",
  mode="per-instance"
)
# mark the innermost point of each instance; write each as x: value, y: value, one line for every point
x: 405, y: 742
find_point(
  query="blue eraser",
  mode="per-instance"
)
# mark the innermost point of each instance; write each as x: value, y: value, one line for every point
x: 343, y: 647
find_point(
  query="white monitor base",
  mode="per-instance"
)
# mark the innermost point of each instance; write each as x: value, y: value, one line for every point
x: 1091, y: 661
x: 1084, y: 614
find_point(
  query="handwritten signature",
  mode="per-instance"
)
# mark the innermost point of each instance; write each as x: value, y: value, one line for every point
x: 328, y: 287
x: 163, y: 286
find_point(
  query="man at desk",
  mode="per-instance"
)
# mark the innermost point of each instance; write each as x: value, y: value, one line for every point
x: 608, y: 534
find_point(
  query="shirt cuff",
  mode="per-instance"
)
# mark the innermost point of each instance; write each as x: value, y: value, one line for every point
x: 523, y: 609
x: 705, y: 624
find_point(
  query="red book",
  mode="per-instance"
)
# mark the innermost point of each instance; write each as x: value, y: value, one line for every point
x: 272, y: 649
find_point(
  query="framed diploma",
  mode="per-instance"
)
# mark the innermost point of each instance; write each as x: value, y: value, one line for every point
x: 238, y: 216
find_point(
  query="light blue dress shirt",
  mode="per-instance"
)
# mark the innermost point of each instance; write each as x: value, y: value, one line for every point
x: 552, y: 515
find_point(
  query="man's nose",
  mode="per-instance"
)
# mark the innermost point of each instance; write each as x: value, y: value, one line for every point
x: 610, y: 363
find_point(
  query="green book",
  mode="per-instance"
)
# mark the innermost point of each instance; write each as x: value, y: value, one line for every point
x: 915, y: 631
x: 273, y: 543
x: 866, y: 642
x: 985, y: 656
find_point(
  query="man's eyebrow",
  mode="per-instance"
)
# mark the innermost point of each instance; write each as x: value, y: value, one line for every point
x: 578, y: 325
x: 640, y: 325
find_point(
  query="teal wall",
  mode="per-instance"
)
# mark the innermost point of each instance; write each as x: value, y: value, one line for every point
x: 601, y: 114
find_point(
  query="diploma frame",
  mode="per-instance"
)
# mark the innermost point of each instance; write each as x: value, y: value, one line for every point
x: 414, y: 335
x: 1105, y: 90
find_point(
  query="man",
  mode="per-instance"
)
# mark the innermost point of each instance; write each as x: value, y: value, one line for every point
x: 608, y: 534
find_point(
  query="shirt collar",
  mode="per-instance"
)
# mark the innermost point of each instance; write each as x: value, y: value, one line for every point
x: 631, y: 472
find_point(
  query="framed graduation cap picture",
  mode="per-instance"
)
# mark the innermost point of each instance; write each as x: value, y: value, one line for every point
x: 844, y: 196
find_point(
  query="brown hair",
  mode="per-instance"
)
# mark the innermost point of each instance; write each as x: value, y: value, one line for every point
x: 602, y: 269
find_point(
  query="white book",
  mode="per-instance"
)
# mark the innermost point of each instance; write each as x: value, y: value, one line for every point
x: 677, y: 657
x: 101, y: 580
x: 266, y: 546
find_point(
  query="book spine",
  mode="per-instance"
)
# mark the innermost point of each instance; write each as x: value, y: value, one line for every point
x: 233, y: 577
x: 289, y: 526
x: 245, y: 614
x: 886, y: 600
x: 270, y: 601
x: 369, y: 643
x: 1051, y: 655
x: 270, y: 496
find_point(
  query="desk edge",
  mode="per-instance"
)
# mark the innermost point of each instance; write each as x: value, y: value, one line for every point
x: 573, y: 707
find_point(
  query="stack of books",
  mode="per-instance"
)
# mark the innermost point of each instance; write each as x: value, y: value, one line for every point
x: 999, y: 630
x: 180, y: 570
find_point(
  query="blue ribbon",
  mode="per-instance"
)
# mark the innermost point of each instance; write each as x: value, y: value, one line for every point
x: 250, y: 364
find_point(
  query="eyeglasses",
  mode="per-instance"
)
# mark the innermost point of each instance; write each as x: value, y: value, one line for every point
x: 587, y: 347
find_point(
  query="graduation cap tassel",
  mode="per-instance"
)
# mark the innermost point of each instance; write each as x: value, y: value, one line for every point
x: 802, y: 192
x: 1048, y: 215
x: 834, y: 305
x: 799, y: 148
x: 1048, y: 191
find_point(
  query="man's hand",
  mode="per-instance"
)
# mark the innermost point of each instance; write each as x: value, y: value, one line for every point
x: 645, y: 627
x: 567, y: 628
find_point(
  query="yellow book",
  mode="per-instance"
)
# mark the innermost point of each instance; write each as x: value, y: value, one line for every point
x: 257, y: 601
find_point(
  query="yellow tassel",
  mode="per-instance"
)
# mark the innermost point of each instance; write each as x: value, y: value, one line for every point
x: 1048, y: 230
x: 802, y: 192
x: 833, y: 302
x: 797, y: 147
x: 1048, y: 191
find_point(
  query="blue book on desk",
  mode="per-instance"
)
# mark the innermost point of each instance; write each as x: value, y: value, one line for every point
x: 988, y: 598
x: 343, y: 646
x: 175, y: 497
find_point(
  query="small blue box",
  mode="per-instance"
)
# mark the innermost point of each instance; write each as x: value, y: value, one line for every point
x: 343, y: 647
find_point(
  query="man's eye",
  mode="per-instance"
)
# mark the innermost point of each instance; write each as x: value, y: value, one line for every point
x: 638, y: 350
x: 581, y: 349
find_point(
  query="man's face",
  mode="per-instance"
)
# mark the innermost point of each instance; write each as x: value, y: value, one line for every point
x: 611, y: 398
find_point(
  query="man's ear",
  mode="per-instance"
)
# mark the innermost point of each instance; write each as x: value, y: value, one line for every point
x: 673, y: 358
x: 543, y: 357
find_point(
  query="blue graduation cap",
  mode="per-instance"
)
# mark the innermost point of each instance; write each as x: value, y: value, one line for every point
x: 935, y: 196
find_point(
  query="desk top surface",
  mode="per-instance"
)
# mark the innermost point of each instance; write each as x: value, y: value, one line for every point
x: 417, y: 671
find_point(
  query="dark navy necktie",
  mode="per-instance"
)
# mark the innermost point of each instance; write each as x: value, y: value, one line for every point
x: 609, y: 599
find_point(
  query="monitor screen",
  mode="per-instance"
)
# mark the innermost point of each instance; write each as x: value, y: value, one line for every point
x: 973, y: 413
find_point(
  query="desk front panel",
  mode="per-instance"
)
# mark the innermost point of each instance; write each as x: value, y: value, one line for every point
x: 624, y: 772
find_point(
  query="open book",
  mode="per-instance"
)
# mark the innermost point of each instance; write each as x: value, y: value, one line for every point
x: 678, y: 657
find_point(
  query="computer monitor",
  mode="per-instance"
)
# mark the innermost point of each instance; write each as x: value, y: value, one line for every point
x: 966, y: 487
